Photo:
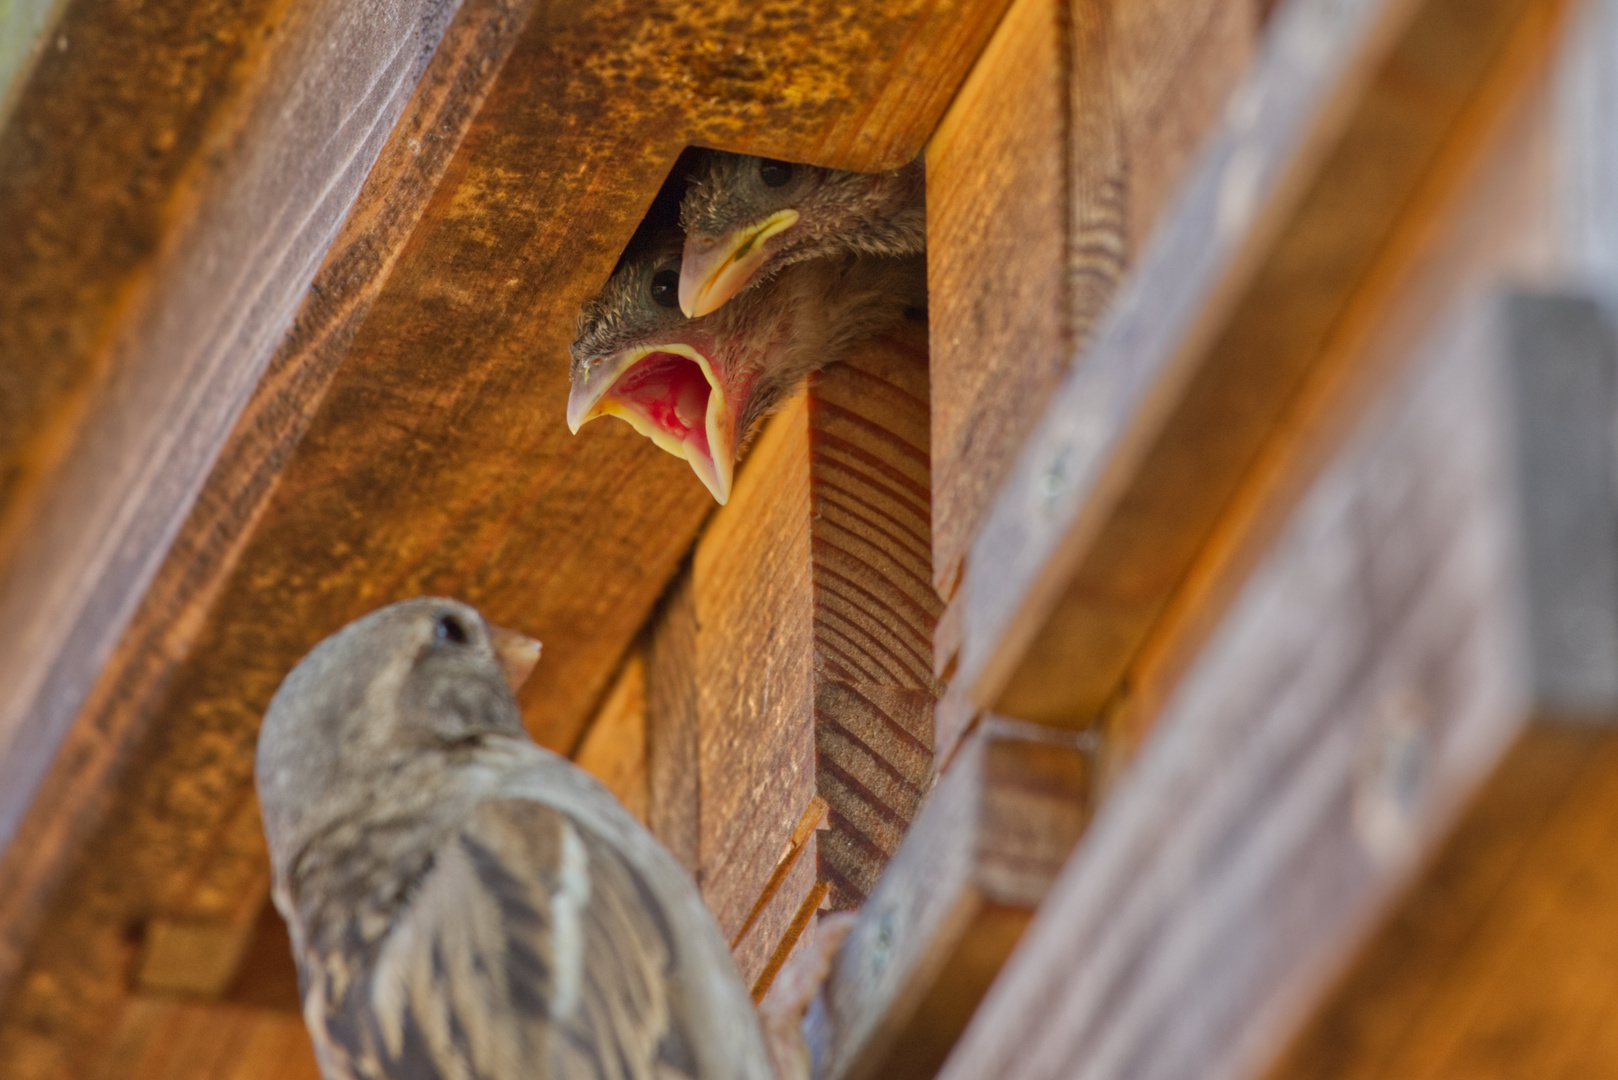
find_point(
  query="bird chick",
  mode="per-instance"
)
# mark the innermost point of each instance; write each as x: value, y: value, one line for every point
x: 746, y: 218
x: 464, y: 904
x: 697, y: 387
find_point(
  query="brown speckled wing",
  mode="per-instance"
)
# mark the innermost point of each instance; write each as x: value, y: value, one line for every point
x: 532, y: 950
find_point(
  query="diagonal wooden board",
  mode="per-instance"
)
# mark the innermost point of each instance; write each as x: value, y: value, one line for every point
x: 410, y: 439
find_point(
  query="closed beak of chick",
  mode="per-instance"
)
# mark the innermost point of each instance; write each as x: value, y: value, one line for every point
x: 714, y: 270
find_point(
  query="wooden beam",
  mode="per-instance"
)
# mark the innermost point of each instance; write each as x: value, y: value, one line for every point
x: 429, y: 455
x: 613, y: 748
x: 989, y: 840
x: 874, y: 605
x: 1045, y: 179
x: 149, y: 304
x: 1350, y: 110
x: 1502, y: 959
x: 1341, y: 667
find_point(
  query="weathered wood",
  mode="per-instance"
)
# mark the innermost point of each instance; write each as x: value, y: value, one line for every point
x: 168, y: 1039
x: 673, y: 726
x: 996, y: 263
x: 112, y: 429
x: 427, y: 463
x: 988, y: 842
x: 1350, y: 110
x: 873, y: 601
x: 1562, y: 355
x: 1365, y: 677
x: 172, y: 618
x: 1046, y: 176
x: 613, y: 748
x: 1502, y: 960
x: 755, y: 691
x: 780, y: 914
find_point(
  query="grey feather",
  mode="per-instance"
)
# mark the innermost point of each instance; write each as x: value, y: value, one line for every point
x: 465, y: 904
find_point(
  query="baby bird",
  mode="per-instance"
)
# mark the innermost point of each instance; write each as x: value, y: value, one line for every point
x: 464, y: 904
x: 697, y: 387
x: 746, y: 218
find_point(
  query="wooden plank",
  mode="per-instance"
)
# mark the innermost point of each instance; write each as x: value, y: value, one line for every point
x: 427, y: 462
x: 673, y: 726
x: 1363, y: 680
x: 988, y: 842
x: 1149, y: 434
x: 1563, y: 359
x: 751, y: 582
x: 780, y: 914
x: 1501, y: 961
x: 1044, y: 179
x: 613, y: 748
x: 133, y: 687
x: 169, y: 1039
x: 101, y: 481
x: 996, y: 262
x: 874, y: 607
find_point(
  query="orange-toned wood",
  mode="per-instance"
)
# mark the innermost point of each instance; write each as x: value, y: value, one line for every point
x: 752, y: 587
x: 172, y: 1039
x: 1503, y: 959
x: 1044, y: 179
x: 874, y: 604
x: 1340, y: 668
x: 673, y: 719
x: 988, y: 842
x: 1170, y: 405
x: 613, y: 749
x: 412, y: 441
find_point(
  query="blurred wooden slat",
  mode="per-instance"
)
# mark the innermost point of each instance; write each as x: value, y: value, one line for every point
x: 1503, y: 960
x: 673, y: 725
x: 429, y: 456
x: 1363, y: 681
x: 990, y: 839
x: 614, y: 746
x: 170, y: 1039
x: 1351, y: 108
x: 1340, y: 667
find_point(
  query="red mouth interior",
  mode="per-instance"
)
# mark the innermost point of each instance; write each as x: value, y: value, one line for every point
x: 670, y: 391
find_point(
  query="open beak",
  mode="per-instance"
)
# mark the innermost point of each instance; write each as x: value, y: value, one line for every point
x: 713, y: 272
x: 670, y: 394
x: 517, y: 653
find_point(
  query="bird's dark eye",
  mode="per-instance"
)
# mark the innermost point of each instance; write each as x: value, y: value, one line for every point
x: 774, y: 173
x: 666, y: 288
x: 449, y: 628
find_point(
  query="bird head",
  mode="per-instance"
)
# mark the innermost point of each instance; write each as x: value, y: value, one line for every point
x: 683, y: 383
x: 747, y: 217
x: 412, y: 682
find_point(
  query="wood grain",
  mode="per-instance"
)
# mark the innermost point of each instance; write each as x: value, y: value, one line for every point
x: 169, y: 1039
x: 780, y: 914
x: 1365, y: 678
x: 996, y: 262
x: 431, y: 459
x: 673, y: 726
x: 1150, y: 433
x: 1044, y: 180
x: 139, y: 419
x: 989, y: 840
x: 1500, y: 961
x: 874, y: 607
x: 613, y: 747
x: 751, y: 581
